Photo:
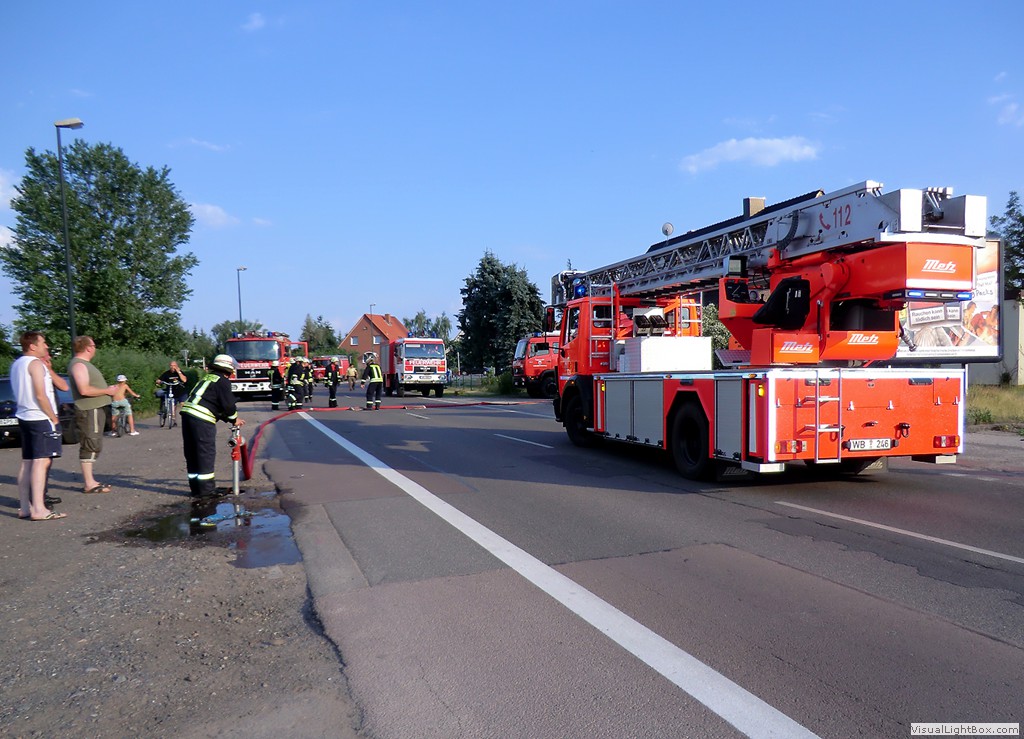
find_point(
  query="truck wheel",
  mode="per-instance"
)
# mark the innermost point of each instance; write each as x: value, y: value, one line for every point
x: 399, y: 388
x: 438, y: 391
x: 389, y: 389
x: 549, y: 386
x: 689, y: 443
x: 575, y: 424
x: 424, y: 391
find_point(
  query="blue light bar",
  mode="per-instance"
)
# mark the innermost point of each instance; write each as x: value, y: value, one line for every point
x: 915, y: 293
x: 965, y: 296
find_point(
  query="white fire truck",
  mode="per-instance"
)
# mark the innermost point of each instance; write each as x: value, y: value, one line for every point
x: 811, y: 290
x: 411, y: 364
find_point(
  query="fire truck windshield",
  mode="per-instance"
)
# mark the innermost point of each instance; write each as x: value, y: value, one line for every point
x: 423, y: 351
x: 520, y: 349
x: 254, y: 350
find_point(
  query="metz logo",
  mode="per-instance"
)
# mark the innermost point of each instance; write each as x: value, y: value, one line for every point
x: 795, y: 347
x: 863, y: 339
x: 935, y: 265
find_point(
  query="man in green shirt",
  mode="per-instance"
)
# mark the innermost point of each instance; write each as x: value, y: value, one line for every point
x: 92, y: 396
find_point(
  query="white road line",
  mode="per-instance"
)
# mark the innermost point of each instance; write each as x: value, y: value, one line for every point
x: 534, y: 415
x: 893, y: 529
x: 744, y: 710
x: 416, y: 415
x: 524, y: 441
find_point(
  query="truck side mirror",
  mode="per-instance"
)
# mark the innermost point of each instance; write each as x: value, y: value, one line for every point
x: 549, y: 319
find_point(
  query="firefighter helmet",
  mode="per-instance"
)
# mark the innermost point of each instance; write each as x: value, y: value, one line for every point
x: 275, y: 363
x: 224, y: 362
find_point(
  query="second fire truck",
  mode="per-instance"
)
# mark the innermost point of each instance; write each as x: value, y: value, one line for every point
x: 811, y: 290
x: 412, y: 364
x: 253, y: 351
x: 535, y: 365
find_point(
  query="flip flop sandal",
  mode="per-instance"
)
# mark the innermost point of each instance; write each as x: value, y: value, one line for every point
x: 98, y: 489
x: 52, y: 516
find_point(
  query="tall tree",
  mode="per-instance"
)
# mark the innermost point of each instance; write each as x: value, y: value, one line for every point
x: 1010, y: 228
x: 125, y: 225
x: 499, y: 306
x: 419, y: 325
x: 223, y: 331
x: 442, y: 327
x: 320, y: 335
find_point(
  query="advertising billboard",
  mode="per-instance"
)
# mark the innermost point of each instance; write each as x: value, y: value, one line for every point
x: 967, y: 331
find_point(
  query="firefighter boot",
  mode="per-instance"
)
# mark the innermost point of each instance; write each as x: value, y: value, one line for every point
x: 376, y: 405
x: 332, y: 403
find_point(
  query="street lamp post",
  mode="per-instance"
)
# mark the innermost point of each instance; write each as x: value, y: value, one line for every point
x: 239, y: 271
x: 72, y: 123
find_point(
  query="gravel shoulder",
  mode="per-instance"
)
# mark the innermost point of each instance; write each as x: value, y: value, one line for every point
x: 194, y: 637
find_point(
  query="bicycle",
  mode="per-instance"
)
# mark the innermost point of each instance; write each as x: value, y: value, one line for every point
x: 167, y: 407
x: 121, y: 425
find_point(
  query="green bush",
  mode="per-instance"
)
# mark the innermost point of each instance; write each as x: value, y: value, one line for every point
x: 505, y: 386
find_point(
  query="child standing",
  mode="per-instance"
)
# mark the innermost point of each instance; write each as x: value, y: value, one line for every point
x: 120, y: 405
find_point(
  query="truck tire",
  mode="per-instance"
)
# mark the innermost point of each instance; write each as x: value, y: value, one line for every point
x: 689, y: 443
x: 533, y: 390
x: 438, y: 391
x: 399, y: 388
x: 576, y: 425
x: 424, y: 391
x: 549, y: 386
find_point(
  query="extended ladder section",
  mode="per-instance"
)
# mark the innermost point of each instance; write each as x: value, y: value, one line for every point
x: 853, y: 218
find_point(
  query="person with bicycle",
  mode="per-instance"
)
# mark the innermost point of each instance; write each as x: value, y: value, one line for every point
x: 173, y: 381
x: 121, y: 406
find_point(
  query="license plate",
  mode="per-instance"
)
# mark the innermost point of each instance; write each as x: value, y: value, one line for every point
x: 8, y: 421
x: 869, y: 445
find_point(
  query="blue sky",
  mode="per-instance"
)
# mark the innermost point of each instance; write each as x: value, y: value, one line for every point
x: 352, y: 154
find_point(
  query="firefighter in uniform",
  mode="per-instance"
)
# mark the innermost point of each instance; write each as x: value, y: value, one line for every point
x: 211, y: 400
x: 310, y: 382
x: 332, y: 376
x: 373, y: 378
x: 276, y: 385
x: 295, y: 385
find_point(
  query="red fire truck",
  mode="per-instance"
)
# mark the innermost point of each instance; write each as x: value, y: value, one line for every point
x: 320, y: 365
x: 535, y: 365
x: 811, y: 289
x: 414, y: 364
x: 253, y: 351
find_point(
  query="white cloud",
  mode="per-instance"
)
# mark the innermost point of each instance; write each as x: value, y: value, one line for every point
x: 254, y: 23
x: 1011, y: 115
x: 262, y: 222
x: 759, y: 152
x: 213, y: 215
x: 996, y: 99
x: 192, y: 141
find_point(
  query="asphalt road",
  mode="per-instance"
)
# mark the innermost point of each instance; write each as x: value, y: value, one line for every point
x: 482, y: 577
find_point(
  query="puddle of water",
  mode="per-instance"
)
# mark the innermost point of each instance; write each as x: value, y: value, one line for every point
x: 260, y: 538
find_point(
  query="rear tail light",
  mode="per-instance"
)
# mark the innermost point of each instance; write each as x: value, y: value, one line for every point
x: 792, y: 446
x: 950, y: 441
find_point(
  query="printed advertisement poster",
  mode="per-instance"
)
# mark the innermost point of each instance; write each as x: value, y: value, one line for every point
x: 959, y: 332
